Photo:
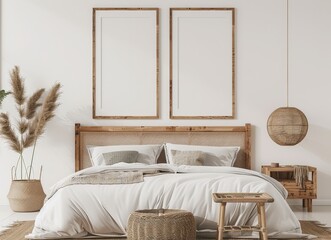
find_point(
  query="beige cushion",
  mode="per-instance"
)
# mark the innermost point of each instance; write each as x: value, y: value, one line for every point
x: 212, y: 155
x: 187, y: 157
x: 148, y: 154
x: 111, y: 158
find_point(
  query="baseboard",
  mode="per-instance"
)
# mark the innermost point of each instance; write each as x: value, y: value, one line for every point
x: 316, y: 202
x: 321, y: 202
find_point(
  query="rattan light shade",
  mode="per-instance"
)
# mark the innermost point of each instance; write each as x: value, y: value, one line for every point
x: 287, y: 126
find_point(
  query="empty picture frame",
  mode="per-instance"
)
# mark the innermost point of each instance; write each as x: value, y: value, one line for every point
x: 202, y: 65
x: 125, y: 63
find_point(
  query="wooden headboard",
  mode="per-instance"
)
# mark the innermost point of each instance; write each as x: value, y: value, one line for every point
x: 208, y: 136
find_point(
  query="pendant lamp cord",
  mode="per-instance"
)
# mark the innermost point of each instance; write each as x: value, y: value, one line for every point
x: 286, y: 53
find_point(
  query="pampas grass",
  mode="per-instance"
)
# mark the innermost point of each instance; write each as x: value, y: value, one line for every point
x: 17, y: 84
x: 8, y: 133
x: 33, y: 117
x: 32, y: 103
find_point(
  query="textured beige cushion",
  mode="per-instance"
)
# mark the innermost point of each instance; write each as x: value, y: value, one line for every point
x: 111, y: 158
x: 187, y: 157
x: 148, y: 154
x: 212, y: 155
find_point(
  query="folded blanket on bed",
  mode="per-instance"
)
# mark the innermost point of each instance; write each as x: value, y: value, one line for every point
x: 100, y: 178
x: 106, y: 175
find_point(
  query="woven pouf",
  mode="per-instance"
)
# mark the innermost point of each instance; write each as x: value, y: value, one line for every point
x: 161, y: 224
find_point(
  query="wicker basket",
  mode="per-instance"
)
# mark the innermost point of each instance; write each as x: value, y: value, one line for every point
x: 26, y: 195
x: 161, y: 224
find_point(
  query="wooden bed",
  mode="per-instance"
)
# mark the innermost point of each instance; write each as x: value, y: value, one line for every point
x: 100, y: 206
x: 193, y: 135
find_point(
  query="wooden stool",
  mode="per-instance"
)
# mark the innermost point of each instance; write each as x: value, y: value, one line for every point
x: 259, y: 198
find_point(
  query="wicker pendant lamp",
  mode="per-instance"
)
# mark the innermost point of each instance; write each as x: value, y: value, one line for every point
x: 287, y: 126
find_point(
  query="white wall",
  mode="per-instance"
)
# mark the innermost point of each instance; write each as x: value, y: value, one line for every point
x: 52, y: 41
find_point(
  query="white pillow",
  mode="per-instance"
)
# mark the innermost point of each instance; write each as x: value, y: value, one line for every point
x: 147, y: 153
x: 211, y: 156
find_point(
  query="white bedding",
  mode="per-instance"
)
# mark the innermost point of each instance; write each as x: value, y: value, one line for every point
x: 78, y: 210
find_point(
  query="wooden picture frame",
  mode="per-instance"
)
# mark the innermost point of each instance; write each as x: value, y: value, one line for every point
x: 125, y: 63
x: 202, y: 63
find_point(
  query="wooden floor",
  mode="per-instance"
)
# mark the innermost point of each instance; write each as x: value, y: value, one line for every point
x: 320, y: 213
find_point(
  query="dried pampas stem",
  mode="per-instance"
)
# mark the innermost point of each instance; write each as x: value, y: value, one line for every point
x: 32, y: 104
x: 48, y: 108
x: 17, y: 85
x: 9, y: 133
x: 46, y: 114
x: 29, y: 138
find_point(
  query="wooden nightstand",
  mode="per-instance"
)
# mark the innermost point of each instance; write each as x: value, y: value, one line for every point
x: 284, y: 174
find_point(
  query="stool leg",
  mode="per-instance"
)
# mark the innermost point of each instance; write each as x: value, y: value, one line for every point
x: 310, y: 205
x: 221, y: 221
x: 259, y: 218
x: 304, y: 203
x: 263, y: 233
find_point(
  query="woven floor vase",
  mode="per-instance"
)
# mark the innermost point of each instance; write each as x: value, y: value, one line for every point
x: 161, y: 224
x: 26, y: 195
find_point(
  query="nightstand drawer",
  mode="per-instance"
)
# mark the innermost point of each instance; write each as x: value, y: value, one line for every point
x: 301, y: 194
x: 290, y: 184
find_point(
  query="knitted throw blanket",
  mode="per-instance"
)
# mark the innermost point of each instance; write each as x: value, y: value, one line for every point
x: 106, y: 177
x: 301, y: 175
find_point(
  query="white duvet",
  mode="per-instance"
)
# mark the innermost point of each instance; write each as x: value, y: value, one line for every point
x: 82, y: 209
